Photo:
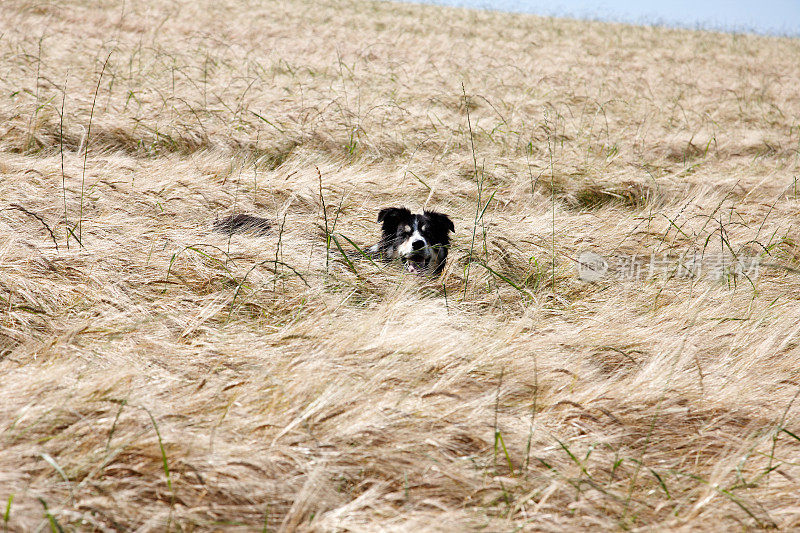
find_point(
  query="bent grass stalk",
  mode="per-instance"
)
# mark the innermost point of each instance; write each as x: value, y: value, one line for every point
x: 478, y: 182
x: 61, y: 152
x: 86, y: 148
x: 325, y: 218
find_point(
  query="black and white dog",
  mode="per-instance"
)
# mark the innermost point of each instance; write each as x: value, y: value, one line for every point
x: 419, y: 241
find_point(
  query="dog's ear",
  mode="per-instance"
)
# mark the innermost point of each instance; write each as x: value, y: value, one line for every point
x: 441, y: 219
x: 388, y: 215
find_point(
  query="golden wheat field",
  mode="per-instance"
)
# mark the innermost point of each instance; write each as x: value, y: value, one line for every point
x: 156, y: 375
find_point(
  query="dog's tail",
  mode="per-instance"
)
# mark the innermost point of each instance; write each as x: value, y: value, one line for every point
x: 242, y: 223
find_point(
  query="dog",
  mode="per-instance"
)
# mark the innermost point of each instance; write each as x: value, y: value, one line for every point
x: 419, y: 241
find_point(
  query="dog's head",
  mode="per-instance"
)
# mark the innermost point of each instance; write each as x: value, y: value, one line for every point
x: 419, y: 241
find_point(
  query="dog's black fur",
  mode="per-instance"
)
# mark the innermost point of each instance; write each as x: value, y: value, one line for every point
x: 419, y: 241
x: 242, y: 223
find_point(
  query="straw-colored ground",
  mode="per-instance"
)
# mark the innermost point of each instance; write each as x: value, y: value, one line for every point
x: 154, y: 375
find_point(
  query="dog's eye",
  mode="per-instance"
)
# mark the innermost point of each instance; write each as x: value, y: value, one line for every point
x: 406, y: 229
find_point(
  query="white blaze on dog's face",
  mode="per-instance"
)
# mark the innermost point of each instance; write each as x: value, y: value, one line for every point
x: 419, y: 241
x: 413, y: 246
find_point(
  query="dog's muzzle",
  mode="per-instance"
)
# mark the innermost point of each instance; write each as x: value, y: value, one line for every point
x: 417, y: 262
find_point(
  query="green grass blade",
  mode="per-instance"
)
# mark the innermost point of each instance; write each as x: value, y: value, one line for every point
x: 344, y: 255
x: 359, y: 250
x: 55, y: 527
x: 7, y: 514
x: 164, y: 463
x: 661, y: 482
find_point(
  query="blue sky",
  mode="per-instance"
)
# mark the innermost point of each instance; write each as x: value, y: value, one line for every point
x: 780, y: 17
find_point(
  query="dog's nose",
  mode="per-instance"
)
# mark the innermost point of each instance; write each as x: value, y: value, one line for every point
x: 418, y: 244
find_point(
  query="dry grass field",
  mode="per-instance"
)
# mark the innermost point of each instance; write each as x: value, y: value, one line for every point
x: 155, y: 375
